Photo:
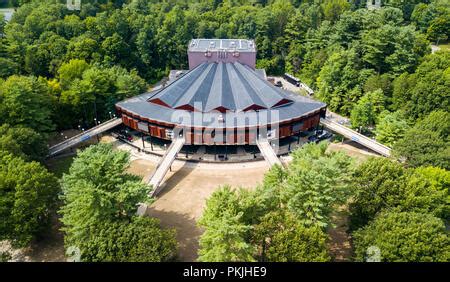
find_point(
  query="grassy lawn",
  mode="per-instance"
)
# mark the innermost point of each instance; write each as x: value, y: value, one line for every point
x: 60, y: 165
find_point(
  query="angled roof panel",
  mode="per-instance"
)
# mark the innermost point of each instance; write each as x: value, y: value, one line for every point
x: 198, y: 91
x: 219, y: 85
x: 176, y: 90
x: 241, y: 96
x: 226, y: 86
x: 266, y: 92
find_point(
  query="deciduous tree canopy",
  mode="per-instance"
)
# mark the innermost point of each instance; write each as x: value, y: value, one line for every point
x: 27, y: 196
x: 403, y: 237
x: 100, y: 203
x: 381, y: 184
x: 282, y: 220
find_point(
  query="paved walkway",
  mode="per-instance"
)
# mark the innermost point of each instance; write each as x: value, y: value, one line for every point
x: 267, y: 151
x: 77, y: 139
x: 357, y: 137
x: 165, y: 163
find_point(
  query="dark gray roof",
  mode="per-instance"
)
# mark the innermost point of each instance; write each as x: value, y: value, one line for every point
x: 232, y: 86
x: 210, y: 86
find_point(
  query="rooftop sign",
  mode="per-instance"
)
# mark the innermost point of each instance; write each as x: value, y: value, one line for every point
x: 222, y: 50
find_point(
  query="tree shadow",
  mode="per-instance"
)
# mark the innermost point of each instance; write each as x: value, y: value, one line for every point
x: 188, y: 233
x: 49, y: 246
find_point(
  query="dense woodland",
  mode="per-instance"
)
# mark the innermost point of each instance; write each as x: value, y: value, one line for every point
x: 401, y: 211
x: 61, y: 69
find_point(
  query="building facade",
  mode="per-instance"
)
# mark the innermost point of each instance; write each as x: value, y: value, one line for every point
x: 221, y: 100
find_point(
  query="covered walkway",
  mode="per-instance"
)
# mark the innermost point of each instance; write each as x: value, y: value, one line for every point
x: 165, y: 163
x: 86, y: 135
x: 268, y: 153
x: 357, y: 137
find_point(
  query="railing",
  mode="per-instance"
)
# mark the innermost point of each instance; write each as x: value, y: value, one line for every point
x: 357, y: 137
x: 267, y: 152
x: 84, y: 136
x: 164, y: 164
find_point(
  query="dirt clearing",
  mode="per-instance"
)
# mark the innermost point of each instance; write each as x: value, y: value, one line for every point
x: 181, y: 202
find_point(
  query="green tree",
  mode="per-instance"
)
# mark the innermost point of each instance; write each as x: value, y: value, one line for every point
x: 440, y: 179
x: 317, y: 180
x: 224, y: 239
x: 283, y: 238
x: 366, y: 111
x: 381, y: 184
x: 407, y: 7
x: 70, y: 71
x: 83, y: 47
x: 7, y: 67
x: 376, y: 82
x: 98, y: 189
x: 340, y: 80
x: 332, y: 9
x: 23, y: 142
x: 115, y: 48
x: 226, y: 229
x: 392, y: 48
x: 2, y: 24
x: 390, y: 128
x: 425, y: 90
x: 26, y: 101
x: 27, y: 197
x: 138, y: 240
x: 433, y: 19
x: 404, y: 237
x: 439, y: 28
x: 427, y: 143
x: 44, y: 57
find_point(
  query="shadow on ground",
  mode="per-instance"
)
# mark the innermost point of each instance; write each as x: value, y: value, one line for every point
x: 188, y: 233
x: 175, y: 177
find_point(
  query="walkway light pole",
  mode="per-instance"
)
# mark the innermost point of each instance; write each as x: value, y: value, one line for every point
x: 151, y: 142
x: 226, y: 152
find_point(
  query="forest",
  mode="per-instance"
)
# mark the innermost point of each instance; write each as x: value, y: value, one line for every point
x: 63, y: 69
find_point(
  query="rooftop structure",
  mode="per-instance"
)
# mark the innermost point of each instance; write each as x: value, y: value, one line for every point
x: 241, y: 45
x: 221, y: 50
